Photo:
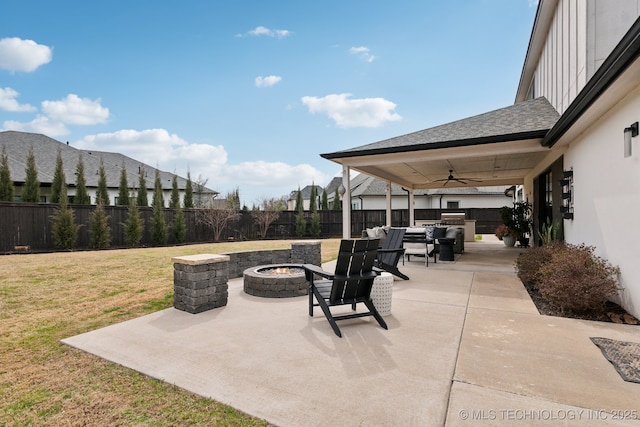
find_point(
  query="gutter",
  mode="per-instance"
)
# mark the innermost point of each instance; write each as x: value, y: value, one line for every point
x: 438, y: 145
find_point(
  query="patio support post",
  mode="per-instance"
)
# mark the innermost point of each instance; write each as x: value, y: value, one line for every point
x: 412, y: 215
x: 346, y: 203
x: 388, y: 224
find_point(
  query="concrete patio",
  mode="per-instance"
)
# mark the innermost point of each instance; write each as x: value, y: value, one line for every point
x: 465, y: 346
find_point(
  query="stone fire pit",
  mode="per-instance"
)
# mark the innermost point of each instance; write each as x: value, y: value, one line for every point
x: 275, y: 281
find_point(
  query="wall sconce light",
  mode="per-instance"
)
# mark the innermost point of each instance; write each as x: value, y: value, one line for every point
x: 630, y: 132
x: 566, y: 209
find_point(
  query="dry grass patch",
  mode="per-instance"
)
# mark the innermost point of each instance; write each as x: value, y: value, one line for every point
x: 47, y: 297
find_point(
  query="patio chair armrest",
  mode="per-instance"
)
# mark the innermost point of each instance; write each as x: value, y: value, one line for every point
x: 389, y: 251
x: 311, y: 269
x: 363, y: 276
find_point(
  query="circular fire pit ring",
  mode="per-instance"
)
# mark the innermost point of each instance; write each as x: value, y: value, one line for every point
x: 275, y: 281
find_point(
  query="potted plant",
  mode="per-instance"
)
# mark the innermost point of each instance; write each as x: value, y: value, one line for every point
x: 519, y: 221
x: 501, y: 231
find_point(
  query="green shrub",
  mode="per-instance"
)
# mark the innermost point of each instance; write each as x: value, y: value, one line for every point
x: 301, y: 225
x: 572, y: 278
x: 179, y: 227
x: 63, y: 228
x: 133, y: 226
x: 99, y: 230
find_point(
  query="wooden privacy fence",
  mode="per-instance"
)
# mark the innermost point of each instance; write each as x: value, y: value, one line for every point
x: 29, y: 224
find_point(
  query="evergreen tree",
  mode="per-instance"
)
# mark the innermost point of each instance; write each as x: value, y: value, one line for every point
x: 179, y: 228
x: 158, y: 197
x: 313, y: 204
x: 336, y: 205
x: 175, y: 193
x: 63, y: 228
x: 315, y: 227
x: 6, y: 185
x: 58, y: 179
x: 233, y: 199
x: 99, y: 230
x: 82, y: 196
x: 31, y: 188
x: 142, y: 198
x: 325, y: 200
x: 123, y: 188
x: 159, y: 233
x: 301, y: 222
x: 133, y: 226
x: 188, y: 193
x: 299, y: 207
x: 102, y: 193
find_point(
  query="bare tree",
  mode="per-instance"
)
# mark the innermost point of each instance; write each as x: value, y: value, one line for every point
x: 267, y: 212
x: 217, y: 213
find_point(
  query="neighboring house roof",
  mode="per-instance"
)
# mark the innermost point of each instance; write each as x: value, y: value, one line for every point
x: 306, y: 192
x: 333, y: 186
x: 45, y: 151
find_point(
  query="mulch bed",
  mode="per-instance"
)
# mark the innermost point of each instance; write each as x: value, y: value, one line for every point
x: 611, y: 312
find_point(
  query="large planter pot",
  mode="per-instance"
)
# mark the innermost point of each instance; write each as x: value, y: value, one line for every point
x: 509, y: 241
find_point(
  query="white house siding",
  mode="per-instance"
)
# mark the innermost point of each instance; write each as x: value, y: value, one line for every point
x: 580, y: 37
x: 562, y: 69
x: 607, y: 21
x: 607, y: 194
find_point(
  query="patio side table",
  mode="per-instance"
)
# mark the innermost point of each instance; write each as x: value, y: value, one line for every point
x: 446, y: 248
x: 381, y: 293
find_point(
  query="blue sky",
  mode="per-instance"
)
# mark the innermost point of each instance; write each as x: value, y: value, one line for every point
x: 248, y: 94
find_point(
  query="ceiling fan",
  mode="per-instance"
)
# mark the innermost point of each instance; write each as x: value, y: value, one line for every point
x: 460, y: 180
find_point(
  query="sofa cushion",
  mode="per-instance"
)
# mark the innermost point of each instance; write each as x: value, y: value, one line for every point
x: 429, y: 230
x: 439, y: 232
x: 377, y: 233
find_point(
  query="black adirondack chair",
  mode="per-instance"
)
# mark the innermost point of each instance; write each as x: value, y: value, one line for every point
x: 350, y: 284
x: 391, y: 252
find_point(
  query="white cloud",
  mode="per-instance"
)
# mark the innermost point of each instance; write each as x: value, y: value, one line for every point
x: 8, y: 101
x: 41, y: 124
x: 267, y: 81
x: 156, y: 146
x: 269, y: 179
x: 261, y: 31
x: 75, y: 110
x: 351, y: 113
x: 363, y: 53
x: 23, y: 55
x: 169, y: 152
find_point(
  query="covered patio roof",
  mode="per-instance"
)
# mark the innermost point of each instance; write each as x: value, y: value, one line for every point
x: 497, y: 148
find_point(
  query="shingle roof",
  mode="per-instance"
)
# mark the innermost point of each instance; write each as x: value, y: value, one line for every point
x: 525, y: 120
x: 45, y: 150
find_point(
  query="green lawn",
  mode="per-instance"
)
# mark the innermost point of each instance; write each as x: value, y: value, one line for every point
x: 47, y: 297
